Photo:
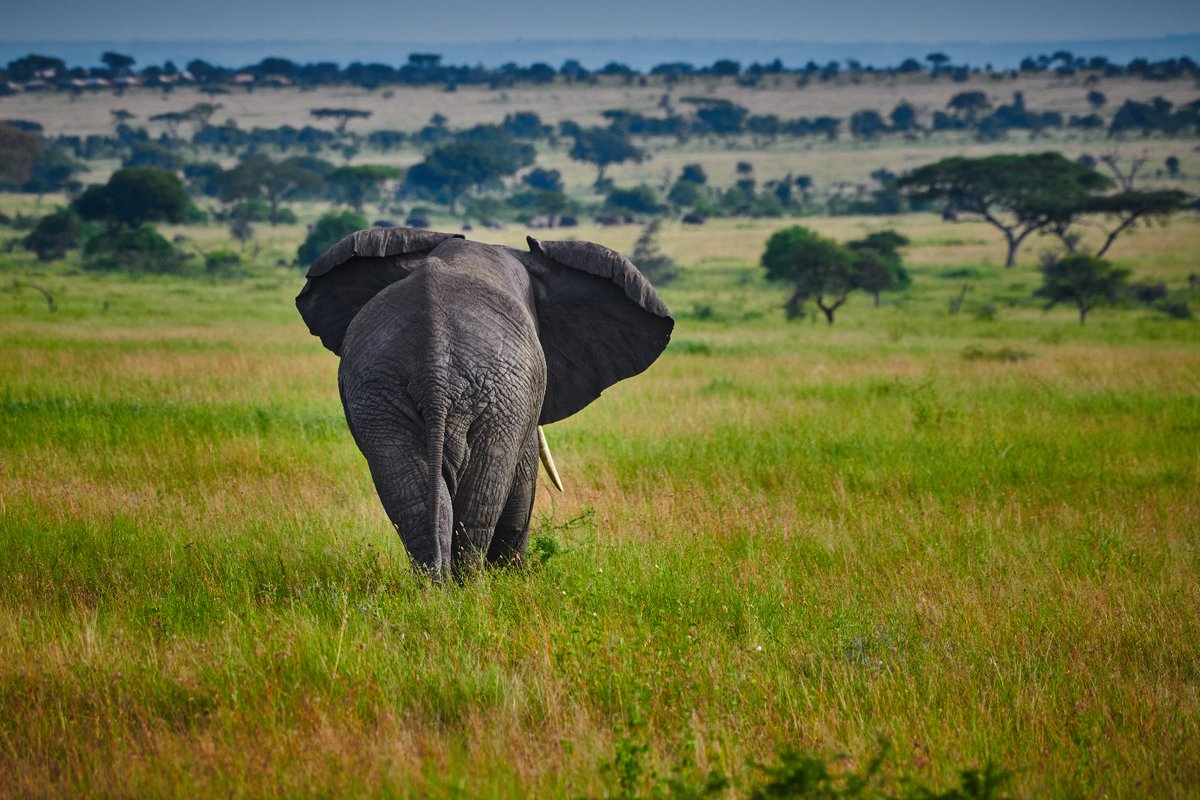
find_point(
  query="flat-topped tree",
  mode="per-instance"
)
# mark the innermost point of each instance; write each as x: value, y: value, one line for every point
x: 260, y: 177
x: 478, y: 157
x: 172, y: 119
x: 1122, y: 210
x: 970, y: 104
x: 117, y: 63
x: 1017, y: 194
x: 200, y: 113
x: 603, y: 146
x: 342, y: 115
x: 359, y: 184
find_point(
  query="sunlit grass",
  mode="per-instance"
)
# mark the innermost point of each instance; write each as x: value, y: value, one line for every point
x: 782, y: 535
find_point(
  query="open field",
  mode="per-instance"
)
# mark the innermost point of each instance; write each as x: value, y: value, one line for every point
x: 409, y: 108
x: 977, y: 535
x: 844, y: 160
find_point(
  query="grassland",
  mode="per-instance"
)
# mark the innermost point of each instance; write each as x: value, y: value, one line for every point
x: 975, y: 535
x: 845, y: 160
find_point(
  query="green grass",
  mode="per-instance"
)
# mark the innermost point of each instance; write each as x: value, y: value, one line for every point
x: 782, y: 537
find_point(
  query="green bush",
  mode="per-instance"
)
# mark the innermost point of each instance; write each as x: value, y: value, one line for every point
x: 139, y: 250
x: 222, y: 264
x: 55, y: 234
x: 638, y: 200
x: 252, y: 210
x: 327, y: 232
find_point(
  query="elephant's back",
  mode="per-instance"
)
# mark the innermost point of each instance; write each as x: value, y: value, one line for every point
x: 447, y: 336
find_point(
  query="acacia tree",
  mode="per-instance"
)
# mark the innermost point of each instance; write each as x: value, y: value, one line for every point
x: 604, y: 146
x: 260, y: 177
x: 477, y: 160
x: 1017, y: 194
x: 1125, y: 175
x: 172, y: 119
x: 1082, y: 280
x: 1123, y: 210
x: 117, y: 63
x: 342, y: 115
x: 970, y: 104
x: 877, y: 262
x: 818, y: 268
x: 357, y: 185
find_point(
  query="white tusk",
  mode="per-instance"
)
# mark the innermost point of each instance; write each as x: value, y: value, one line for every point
x: 547, y: 459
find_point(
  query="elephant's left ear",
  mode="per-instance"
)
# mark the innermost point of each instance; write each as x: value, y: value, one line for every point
x: 599, y: 321
x: 356, y: 269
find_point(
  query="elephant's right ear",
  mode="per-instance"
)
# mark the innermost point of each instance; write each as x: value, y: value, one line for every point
x: 356, y: 269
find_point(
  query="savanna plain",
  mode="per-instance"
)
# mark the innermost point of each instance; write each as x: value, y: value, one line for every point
x: 973, y: 536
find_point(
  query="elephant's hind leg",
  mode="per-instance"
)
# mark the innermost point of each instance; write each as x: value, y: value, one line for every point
x: 489, y: 506
x: 400, y: 470
x: 512, y: 531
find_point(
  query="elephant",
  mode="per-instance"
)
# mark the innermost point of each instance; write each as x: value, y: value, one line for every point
x: 453, y: 354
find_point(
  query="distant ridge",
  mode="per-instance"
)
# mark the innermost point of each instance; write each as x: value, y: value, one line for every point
x: 640, y: 54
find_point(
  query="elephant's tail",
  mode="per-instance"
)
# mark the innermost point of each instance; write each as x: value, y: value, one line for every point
x: 435, y: 432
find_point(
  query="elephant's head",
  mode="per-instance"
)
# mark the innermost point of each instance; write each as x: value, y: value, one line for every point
x: 598, y: 319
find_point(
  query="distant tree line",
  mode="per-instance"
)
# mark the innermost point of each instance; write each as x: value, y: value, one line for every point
x: 35, y: 72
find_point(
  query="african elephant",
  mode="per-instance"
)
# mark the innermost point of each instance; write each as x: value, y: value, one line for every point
x: 454, y: 353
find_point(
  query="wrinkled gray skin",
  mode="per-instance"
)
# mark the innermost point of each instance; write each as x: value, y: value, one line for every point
x: 444, y: 377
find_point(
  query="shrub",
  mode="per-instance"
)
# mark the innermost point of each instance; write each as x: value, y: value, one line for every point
x: 253, y: 210
x: 55, y: 234
x: 327, y: 232
x: 139, y: 250
x: 638, y: 200
x: 134, y: 196
x: 1082, y: 280
x: 222, y: 264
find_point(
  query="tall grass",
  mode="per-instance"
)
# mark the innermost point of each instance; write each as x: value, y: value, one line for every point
x: 781, y: 537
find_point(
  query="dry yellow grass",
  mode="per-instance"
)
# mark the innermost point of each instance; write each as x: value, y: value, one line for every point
x: 410, y: 108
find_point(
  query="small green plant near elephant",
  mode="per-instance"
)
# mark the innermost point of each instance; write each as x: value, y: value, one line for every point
x: 544, y: 541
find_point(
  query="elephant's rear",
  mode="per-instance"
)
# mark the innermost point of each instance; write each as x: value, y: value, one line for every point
x: 442, y: 383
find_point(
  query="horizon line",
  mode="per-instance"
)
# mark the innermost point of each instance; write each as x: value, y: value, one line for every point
x: 521, y: 39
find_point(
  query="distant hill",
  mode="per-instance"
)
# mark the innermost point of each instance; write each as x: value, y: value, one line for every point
x: 638, y: 53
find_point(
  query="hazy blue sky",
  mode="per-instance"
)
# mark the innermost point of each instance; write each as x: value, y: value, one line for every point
x: 486, y: 20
